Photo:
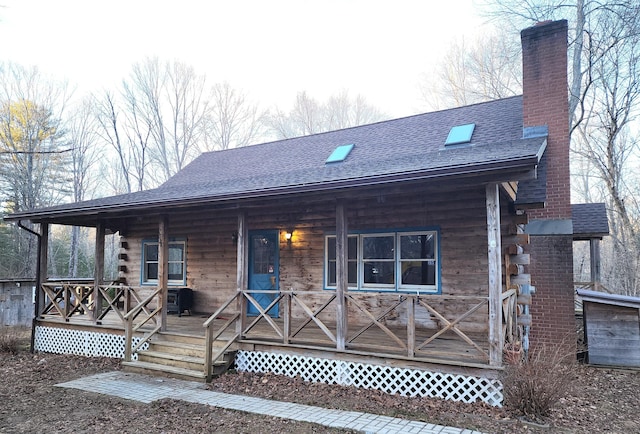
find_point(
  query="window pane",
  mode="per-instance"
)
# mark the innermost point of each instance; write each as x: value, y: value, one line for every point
x: 151, y: 252
x: 175, y: 271
x: 175, y: 252
x: 263, y: 255
x: 419, y: 246
x: 418, y: 273
x: 352, y: 249
x: 331, y: 248
x: 378, y: 247
x: 152, y: 271
x: 331, y: 273
x: 352, y: 274
x: 379, y: 272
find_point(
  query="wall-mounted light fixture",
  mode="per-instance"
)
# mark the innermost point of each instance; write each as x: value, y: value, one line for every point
x: 234, y: 237
x: 288, y: 235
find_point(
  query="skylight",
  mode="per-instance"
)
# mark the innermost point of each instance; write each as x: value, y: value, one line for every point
x: 460, y: 134
x: 340, y: 153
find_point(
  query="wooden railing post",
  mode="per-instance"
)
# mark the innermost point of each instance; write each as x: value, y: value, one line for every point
x: 163, y: 268
x: 494, y: 251
x: 342, y: 280
x: 98, y: 274
x: 128, y: 338
x: 208, y: 342
x: 242, y: 269
x: 67, y: 300
x: 411, y: 326
x: 287, y: 317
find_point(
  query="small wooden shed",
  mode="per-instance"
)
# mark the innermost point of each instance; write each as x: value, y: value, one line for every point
x: 612, y: 328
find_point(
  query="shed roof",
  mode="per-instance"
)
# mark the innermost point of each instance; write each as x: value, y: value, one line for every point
x: 589, y: 220
x: 410, y: 148
x: 610, y: 299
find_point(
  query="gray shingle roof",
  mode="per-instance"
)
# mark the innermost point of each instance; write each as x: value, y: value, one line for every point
x: 385, y: 151
x: 589, y: 220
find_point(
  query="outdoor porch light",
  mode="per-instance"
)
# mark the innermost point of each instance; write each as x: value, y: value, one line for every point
x: 234, y: 237
x: 288, y: 235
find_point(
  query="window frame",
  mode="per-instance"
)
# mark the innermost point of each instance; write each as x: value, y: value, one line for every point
x: 397, y: 286
x: 144, y: 280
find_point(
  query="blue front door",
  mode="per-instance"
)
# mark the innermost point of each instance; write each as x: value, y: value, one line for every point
x: 263, y: 270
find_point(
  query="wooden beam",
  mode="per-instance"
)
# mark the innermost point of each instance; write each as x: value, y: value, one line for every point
x: 43, y: 250
x: 98, y: 273
x: 594, y: 258
x: 163, y: 268
x: 342, y: 280
x: 495, y: 275
x: 510, y: 189
x: 242, y: 268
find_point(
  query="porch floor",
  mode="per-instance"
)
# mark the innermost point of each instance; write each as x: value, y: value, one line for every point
x: 448, y: 348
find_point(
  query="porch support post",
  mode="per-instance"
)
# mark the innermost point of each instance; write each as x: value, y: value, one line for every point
x: 41, y: 273
x: 495, y: 275
x: 342, y: 281
x: 594, y: 257
x: 163, y: 265
x: 98, y: 272
x: 242, y: 269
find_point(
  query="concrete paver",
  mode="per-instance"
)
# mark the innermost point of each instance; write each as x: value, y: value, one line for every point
x: 144, y: 388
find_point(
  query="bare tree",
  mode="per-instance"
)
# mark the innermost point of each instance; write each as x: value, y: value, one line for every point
x: 308, y: 116
x: 488, y: 68
x: 122, y: 131
x: 83, y: 138
x: 167, y: 100
x: 231, y: 120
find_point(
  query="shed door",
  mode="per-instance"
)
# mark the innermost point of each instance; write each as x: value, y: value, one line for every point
x: 263, y: 270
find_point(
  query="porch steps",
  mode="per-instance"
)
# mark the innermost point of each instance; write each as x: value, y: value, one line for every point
x: 179, y: 356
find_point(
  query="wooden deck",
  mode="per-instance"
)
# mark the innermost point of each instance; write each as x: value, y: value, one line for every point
x: 447, y: 349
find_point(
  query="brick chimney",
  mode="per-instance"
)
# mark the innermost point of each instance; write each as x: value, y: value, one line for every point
x: 545, y: 103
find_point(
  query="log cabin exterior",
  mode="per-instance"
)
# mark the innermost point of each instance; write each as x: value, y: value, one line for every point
x: 397, y: 250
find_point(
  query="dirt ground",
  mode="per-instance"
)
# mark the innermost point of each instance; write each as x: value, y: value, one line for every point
x: 603, y: 400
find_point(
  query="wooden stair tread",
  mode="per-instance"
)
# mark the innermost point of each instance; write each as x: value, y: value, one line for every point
x: 165, y: 368
x: 177, y: 345
x: 171, y: 356
x: 179, y: 357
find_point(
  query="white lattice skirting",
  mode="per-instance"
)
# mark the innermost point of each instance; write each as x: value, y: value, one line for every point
x: 82, y: 343
x: 401, y: 381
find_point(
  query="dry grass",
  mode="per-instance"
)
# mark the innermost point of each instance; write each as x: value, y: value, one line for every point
x: 14, y: 339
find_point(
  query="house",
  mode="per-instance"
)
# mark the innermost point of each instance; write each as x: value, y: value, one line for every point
x: 396, y: 255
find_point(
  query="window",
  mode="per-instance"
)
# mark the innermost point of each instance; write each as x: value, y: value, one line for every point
x: 176, y: 262
x: 387, y: 261
x: 352, y: 267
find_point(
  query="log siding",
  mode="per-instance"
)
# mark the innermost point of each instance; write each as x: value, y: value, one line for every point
x: 211, y: 239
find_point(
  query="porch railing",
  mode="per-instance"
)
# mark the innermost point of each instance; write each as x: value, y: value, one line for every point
x: 68, y: 300
x: 146, y: 311
x: 400, y: 318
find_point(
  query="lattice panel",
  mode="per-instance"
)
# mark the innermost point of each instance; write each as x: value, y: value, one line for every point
x: 82, y: 343
x: 400, y: 381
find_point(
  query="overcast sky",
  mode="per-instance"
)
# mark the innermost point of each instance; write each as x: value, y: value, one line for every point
x: 271, y: 49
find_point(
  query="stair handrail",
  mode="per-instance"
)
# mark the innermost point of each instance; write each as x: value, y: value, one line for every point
x: 210, y: 335
x: 129, y: 329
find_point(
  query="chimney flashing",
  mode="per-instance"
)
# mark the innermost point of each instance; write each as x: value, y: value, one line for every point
x: 537, y: 131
